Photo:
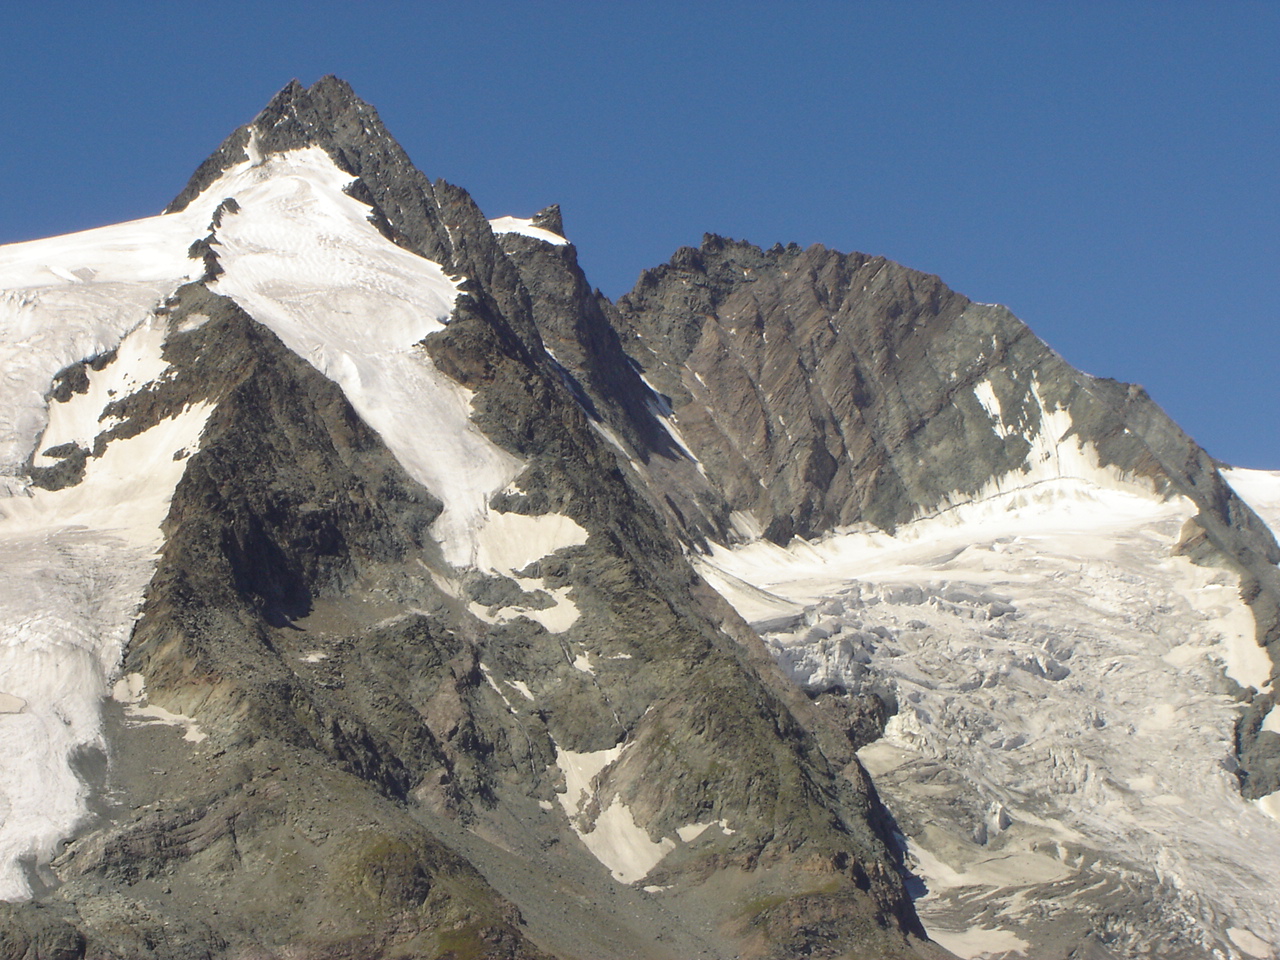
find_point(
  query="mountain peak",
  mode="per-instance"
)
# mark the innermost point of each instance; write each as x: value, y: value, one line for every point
x: 400, y: 539
x: 328, y: 114
x: 549, y: 218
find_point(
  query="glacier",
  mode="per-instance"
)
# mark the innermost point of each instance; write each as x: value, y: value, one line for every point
x: 1063, y: 744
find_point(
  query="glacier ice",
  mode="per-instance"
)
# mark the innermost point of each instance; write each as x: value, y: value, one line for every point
x: 1064, y: 734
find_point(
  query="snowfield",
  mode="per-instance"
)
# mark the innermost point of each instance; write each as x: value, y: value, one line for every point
x: 75, y: 563
x: 302, y: 258
x: 1062, y: 753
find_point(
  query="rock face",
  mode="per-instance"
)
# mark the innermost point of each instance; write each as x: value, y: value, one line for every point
x: 569, y: 744
x: 820, y: 390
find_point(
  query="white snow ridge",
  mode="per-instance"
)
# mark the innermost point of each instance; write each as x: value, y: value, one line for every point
x: 527, y: 229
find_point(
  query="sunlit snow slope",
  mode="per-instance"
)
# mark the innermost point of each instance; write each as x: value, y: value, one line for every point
x: 300, y: 256
x: 75, y: 562
x: 1061, y: 761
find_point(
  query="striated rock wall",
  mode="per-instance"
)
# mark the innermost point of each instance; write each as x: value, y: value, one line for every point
x: 820, y: 389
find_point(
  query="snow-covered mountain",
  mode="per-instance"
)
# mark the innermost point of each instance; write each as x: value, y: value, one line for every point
x: 376, y: 587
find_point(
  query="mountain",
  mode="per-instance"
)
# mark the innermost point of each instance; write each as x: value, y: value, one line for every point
x: 376, y: 587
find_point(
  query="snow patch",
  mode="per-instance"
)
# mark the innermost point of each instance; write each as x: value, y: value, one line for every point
x: 1252, y: 945
x: 521, y: 688
x: 527, y: 229
x: 1245, y: 662
x: 746, y: 525
x: 691, y: 832
x: 79, y: 420
x: 662, y: 412
x: 1018, y: 867
x: 557, y: 618
x: 580, y: 770
x: 624, y: 846
x: 986, y: 395
x: 756, y: 605
x: 1058, y: 460
x: 979, y: 942
x: 130, y: 690
x: 1260, y: 489
x: 192, y: 321
x: 488, y: 676
x: 1269, y: 805
x: 1271, y: 722
x: 508, y: 542
x: 611, y: 438
x: 615, y: 839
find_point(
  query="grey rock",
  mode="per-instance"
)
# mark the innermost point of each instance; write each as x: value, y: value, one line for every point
x: 363, y: 727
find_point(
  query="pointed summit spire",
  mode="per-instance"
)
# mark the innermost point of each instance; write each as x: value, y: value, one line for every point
x: 438, y: 221
x: 549, y: 218
x: 330, y: 115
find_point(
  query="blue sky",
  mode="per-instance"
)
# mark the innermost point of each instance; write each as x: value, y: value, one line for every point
x: 1107, y: 170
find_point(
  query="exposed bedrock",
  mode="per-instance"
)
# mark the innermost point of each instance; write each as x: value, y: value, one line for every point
x: 327, y: 730
x: 820, y: 390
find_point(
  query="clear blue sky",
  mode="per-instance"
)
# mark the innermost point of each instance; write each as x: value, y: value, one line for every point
x: 1108, y: 170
